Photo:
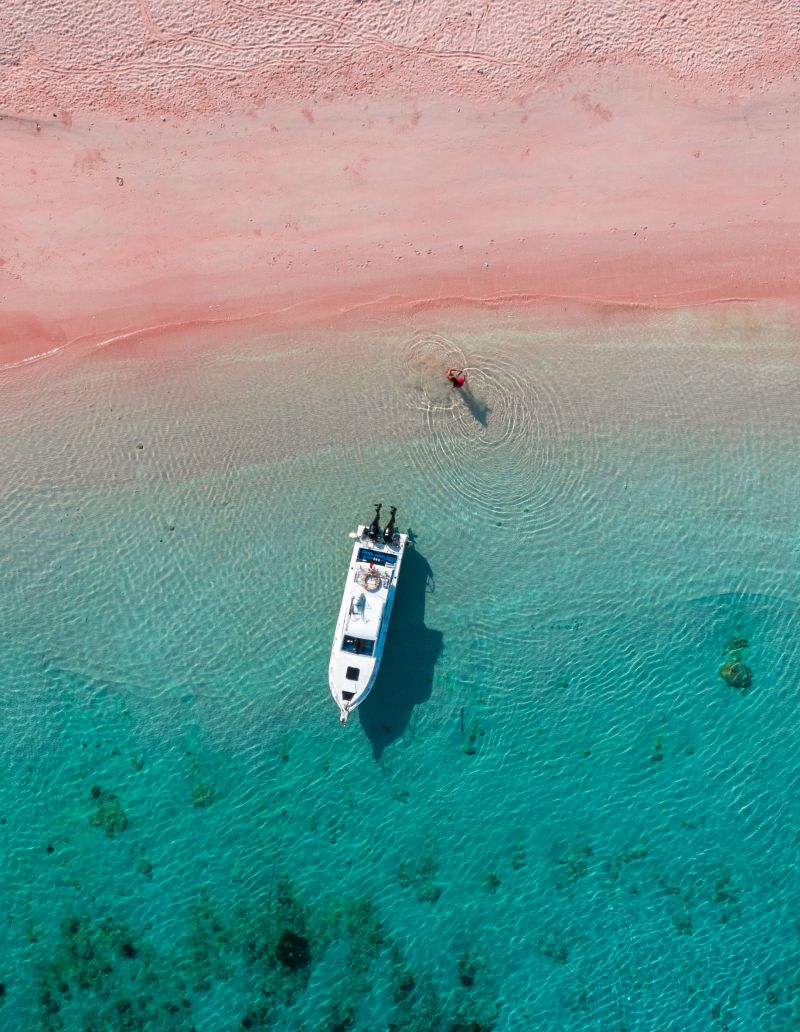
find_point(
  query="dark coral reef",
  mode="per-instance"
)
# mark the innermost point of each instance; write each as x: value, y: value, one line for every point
x: 734, y: 671
x: 105, y: 975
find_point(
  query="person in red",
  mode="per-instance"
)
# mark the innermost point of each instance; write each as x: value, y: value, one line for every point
x: 456, y: 377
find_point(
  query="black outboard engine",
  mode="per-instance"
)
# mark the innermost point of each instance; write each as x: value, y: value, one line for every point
x: 375, y: 526
x: 388, y: 530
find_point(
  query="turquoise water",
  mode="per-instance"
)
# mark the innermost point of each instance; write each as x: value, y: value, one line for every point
x: 552, y: 812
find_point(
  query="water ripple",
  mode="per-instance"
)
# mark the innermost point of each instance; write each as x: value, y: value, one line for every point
x: 498, y: 444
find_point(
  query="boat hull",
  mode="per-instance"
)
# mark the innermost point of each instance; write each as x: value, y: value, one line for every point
x: 363, y: 621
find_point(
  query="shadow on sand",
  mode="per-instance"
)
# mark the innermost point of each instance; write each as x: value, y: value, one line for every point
x: 406, y: 673
x: 478, y: 409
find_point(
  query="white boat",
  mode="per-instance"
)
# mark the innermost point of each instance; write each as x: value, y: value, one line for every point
x: 364, y: 614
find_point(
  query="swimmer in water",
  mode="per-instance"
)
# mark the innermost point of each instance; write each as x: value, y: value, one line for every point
x: 456, y: 377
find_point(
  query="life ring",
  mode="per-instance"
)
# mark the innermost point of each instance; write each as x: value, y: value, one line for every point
x: 372, y: 581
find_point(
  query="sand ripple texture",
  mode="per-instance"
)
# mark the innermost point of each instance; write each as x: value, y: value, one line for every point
x: 167, y: 56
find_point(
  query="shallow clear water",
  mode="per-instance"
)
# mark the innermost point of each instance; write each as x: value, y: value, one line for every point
x: 551, y: 813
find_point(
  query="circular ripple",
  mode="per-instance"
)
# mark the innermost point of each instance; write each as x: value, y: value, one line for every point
x: 498, y: 443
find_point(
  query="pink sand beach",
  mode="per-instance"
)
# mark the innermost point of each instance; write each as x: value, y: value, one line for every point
x: 168, y: 167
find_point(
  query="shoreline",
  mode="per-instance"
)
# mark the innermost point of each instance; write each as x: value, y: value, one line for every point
x: 556, y: 312
x: 183, y: 343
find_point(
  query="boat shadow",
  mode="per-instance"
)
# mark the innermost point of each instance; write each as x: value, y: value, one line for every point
x: 405, y: 678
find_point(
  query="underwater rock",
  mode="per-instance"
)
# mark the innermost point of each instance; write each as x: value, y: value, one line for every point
x: 144, y: 867
x: 402, y: 980
x: 404, y: 985
x: 203, y: 794
x: 481, y: 1016
x: 613, y: 867
x: 256, y: 1017
x: 474, y: 733
x: 343, y: 1019
x: 573, y: 865
x: 734, y: 671
x: 725, y: 891
x: 209, y: 940
x: 518, y: 858
x: 666, y: 887
x: 366, y: 933
x: 467, y: 969
x: 419, y: 874
x: 462, y: 1024
x: 637, y: 852
x: 420, y: 1010
x: 109, y: 814
x: 491, y: 883
x: 735, y: 644
x: 293, y: 950
x: 737, y: 674
x: 553, y: 946
x: 49, y: 1007
x: 773, y: 990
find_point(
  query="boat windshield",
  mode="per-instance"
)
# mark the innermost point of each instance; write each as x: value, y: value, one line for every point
x: 371, y: 555
x: 361, y: 646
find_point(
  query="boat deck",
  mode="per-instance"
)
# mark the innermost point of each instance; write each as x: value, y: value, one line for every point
x: 370, y: 589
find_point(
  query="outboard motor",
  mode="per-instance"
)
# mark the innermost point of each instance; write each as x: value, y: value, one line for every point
x: 388, y: 530
x: 375, y: 526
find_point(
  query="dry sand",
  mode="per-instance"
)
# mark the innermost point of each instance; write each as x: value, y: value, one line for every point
x: 620, y: 158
